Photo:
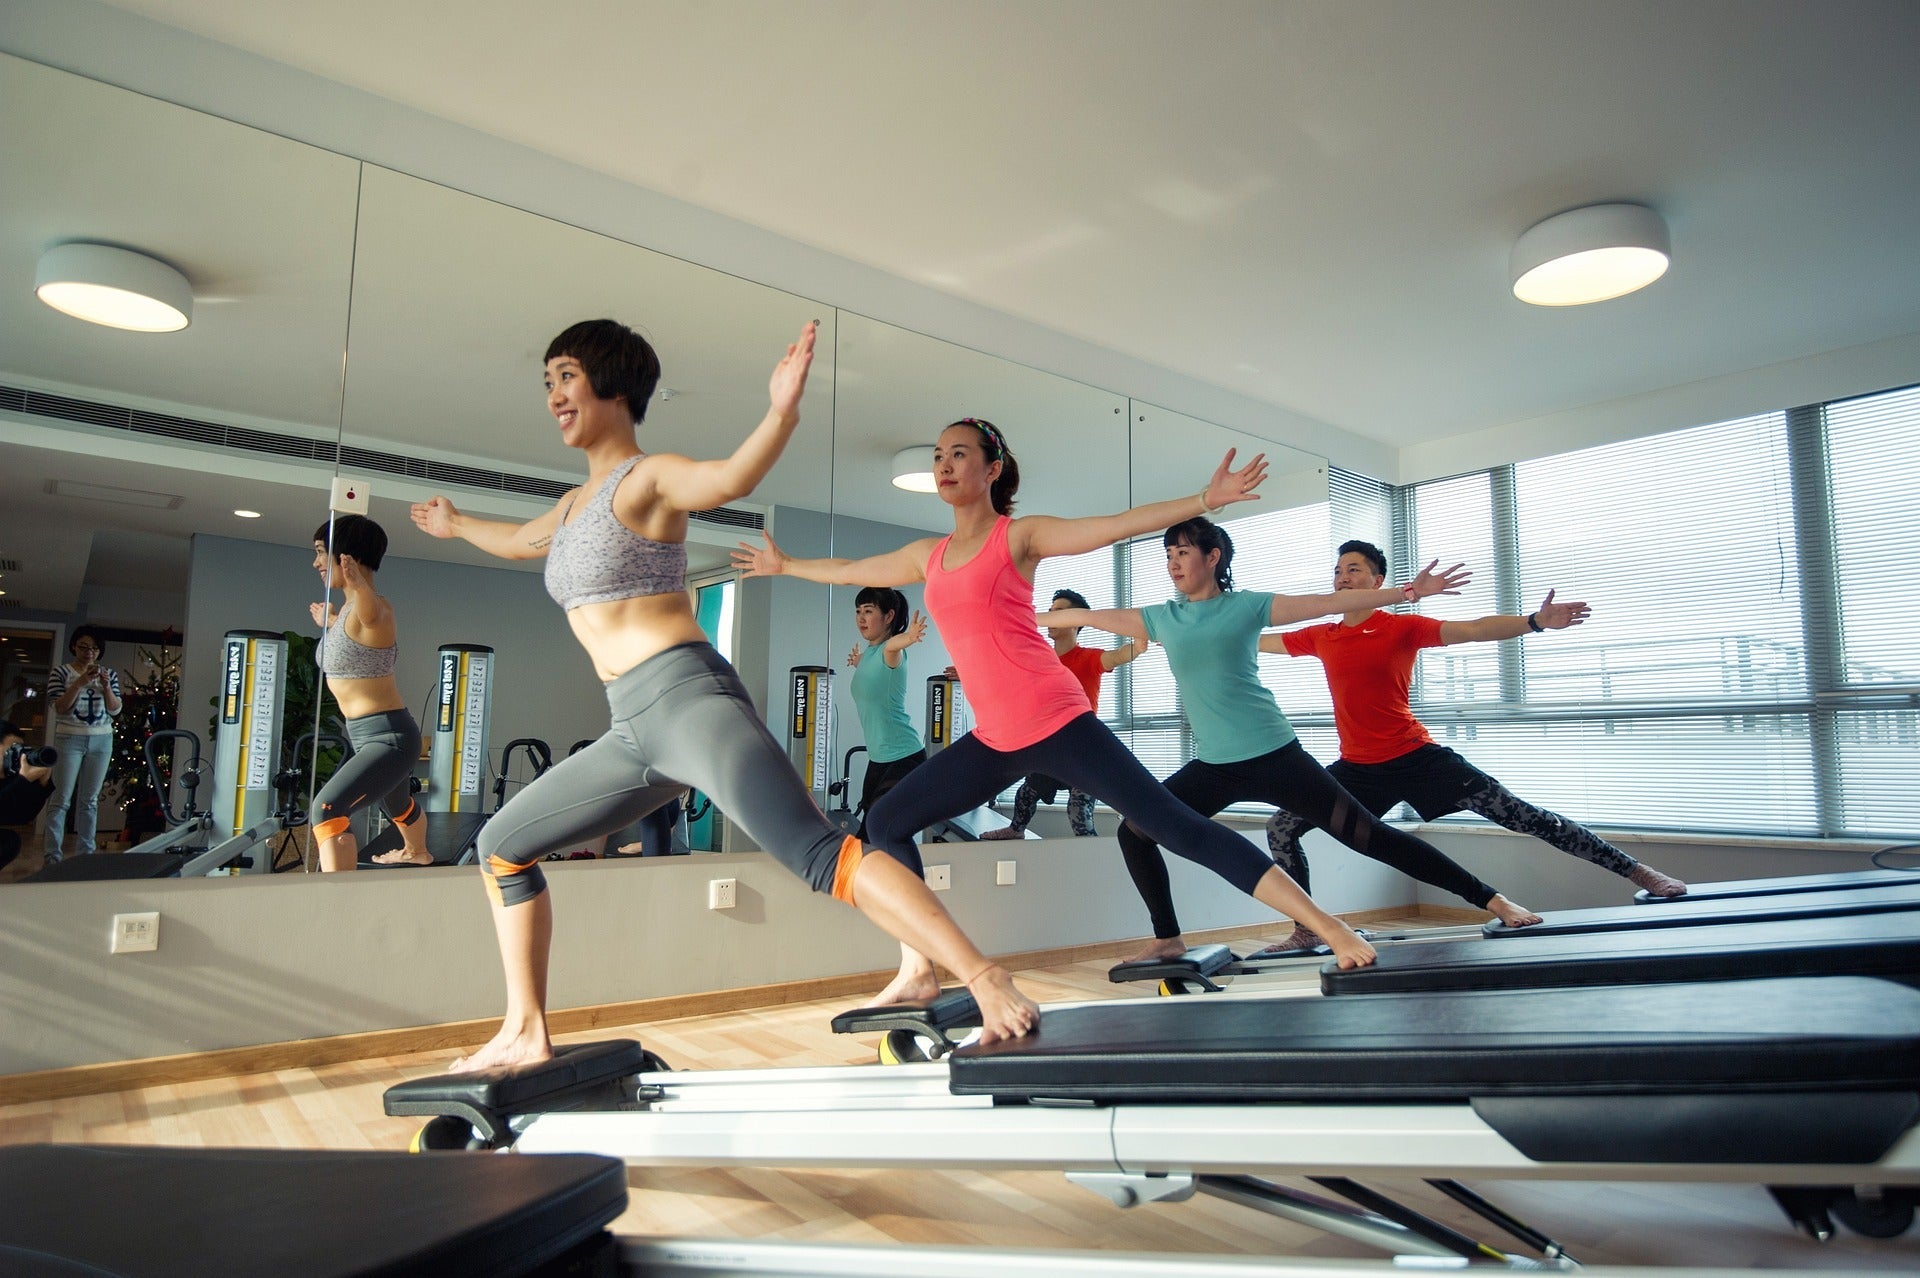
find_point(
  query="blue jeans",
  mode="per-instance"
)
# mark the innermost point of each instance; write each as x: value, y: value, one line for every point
x: 76, y: 784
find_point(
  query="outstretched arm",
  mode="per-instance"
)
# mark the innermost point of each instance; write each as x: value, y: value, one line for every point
x: 1549, y: 616
x: 1114, y: 658
x: 892, y: 649
x: 900, y: 567
x: 686, y: 484
x: 438, y: 518
x: 1288, y: 609
x: 1126, y: 622
x: 1041, y: 536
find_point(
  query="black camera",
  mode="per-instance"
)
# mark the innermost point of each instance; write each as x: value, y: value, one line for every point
x: 38, y: 756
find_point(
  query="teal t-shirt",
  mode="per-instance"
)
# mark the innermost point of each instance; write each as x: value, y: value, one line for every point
x: 1213, y: 649
x: 880, y: 698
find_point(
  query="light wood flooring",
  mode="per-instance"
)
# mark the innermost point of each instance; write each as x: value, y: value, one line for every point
x: 338, y: 1107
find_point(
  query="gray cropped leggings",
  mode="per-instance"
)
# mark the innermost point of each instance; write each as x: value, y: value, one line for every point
x: 386, y: 745
x: 680, y: 718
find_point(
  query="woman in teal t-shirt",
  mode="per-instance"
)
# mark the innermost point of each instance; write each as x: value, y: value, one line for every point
x: 1244, y: 748
x: 880, y: 691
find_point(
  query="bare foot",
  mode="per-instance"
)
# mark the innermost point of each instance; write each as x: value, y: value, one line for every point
x: 1350, y: 949
x: 1510, y: 914
x: 1004, y: 1011
x: 404, y: 856
x: 1303, y: 938
x: 507, y: 1049
x: 1170, y: 947
x: 917, y: 986
x: 1656, y: 883
x: 1004, y: 832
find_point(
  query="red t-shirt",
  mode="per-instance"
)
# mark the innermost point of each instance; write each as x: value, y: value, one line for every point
x: 1086, y: 667
x: 1369, y: 671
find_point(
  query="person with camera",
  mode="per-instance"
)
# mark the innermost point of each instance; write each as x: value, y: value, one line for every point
x: 85, y: 697
x: 26, y: 780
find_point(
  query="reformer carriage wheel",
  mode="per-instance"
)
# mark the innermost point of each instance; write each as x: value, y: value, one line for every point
x: 444, y: 1132
x: 904, y: 1047
x: 1887, y: 1215
x: 653, y: 1064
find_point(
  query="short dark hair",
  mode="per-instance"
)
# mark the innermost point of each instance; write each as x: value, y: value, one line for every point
x: 1074, y: 598
x: 87, y: 632
x: 620, y: 364
x: 355, y: 535
x: 1204, y: 535
x: 994, y: 444
x: 887, y: 600
x: 1367, y: 551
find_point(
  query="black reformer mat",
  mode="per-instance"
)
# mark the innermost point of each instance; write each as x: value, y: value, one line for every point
x: 95, y: 867
x: 1785, y: 885
x: 1712, y: 912
x: 125, y: 1211
x: 1882, y: 945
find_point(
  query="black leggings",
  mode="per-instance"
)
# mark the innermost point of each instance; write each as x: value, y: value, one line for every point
x: 1086, y: 756
x: 881, y: 779
x: 1289, y: 778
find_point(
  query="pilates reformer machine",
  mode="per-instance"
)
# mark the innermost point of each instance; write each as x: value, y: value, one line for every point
x: 1807, y: 1085
x: 1620, y: 932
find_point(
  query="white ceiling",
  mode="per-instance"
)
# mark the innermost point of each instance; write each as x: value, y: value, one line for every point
x: 1310, y: 203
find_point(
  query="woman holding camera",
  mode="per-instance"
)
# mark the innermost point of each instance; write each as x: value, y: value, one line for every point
x: 85, y: 697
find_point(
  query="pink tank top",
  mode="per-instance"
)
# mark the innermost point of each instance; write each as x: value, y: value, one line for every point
x: 1019, y: 691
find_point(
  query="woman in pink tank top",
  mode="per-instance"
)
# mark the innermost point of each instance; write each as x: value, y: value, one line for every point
x: 1030, y: 713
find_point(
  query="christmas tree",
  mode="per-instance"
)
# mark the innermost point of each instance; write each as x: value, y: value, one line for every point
x: 149, y: 704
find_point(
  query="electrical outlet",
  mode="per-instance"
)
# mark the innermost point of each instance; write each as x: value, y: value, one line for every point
x: 722, y: 894
x: 1003, y: 873
x: 134, y: 933
x: 940, y: 877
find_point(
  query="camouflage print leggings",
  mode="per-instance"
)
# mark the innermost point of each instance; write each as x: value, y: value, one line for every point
x: 1488, y: 798
x: 1036, y: 790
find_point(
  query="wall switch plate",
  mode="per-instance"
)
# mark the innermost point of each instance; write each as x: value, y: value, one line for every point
x: 134, y: 933
x: 1003, y: 873
x: 723, y: 894
x: 940, y: 877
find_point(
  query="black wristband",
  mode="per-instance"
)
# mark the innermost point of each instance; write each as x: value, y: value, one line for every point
x: 1533, y: 622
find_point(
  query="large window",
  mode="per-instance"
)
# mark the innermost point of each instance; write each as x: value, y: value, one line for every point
x: 1744, y: 670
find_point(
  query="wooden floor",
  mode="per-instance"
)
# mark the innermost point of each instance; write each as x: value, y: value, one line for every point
x: 338, y: 1107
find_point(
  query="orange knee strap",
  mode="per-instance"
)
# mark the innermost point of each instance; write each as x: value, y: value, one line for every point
x: 407, y: 817
x: 851, y: 854
x: 498, y: 866
x: 332, y: 829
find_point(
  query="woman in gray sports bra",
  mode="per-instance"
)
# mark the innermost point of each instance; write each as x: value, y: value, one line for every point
x: 357, y: 655
x: 616, y: 561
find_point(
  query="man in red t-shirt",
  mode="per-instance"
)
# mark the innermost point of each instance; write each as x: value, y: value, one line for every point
x: 1087, y: 664
x: 1386, y: 755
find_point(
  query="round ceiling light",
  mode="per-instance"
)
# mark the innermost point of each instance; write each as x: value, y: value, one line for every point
x: 115, y: 287
x: 913, y: 469
x: 1589, y: 255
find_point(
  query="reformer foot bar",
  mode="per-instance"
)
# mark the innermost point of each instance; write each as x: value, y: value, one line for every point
x: 1785, y: 885
x: 1786, y: 1082
x: 141, y: 1212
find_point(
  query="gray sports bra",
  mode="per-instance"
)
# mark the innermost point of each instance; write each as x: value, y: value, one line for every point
x: 343, y: 658
x: 597, y: 558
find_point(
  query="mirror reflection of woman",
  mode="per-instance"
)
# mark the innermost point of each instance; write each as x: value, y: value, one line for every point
x: 1030, y: 713
x: 616, y: 562
x: 1245, y: 750
x: 357, y: 655
x: 85, y: 697
x: 879, y: 687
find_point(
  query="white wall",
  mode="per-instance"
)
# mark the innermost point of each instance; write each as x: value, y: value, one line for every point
x: 260, y: 960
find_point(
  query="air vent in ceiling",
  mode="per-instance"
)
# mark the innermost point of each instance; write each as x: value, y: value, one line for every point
x: 242, y: 439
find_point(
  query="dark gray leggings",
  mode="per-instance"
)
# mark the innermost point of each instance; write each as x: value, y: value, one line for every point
x: 1085, y: 756
x: 680, y: 718
x: 1293, y: 780
x: 386, y: 745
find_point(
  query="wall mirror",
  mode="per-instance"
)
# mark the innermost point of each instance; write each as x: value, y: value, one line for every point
x: 127, y: 454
